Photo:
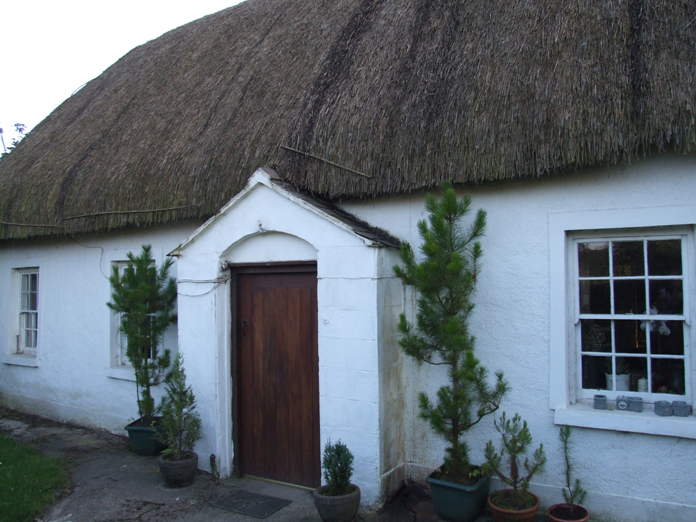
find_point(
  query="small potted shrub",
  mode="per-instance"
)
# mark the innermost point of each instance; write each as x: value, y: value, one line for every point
x: 144, y: 296
x: 516, y: 504
x: 182, y: 429
x: 338, y: 500
x: 573, y: 493
x: 445, y: 281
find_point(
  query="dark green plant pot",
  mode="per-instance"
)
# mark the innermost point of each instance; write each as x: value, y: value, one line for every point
x: 142, y: 438
x: 458, y: 503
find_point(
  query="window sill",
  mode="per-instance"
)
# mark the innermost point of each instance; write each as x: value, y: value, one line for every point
x: 647, y: 422
x: 24, y: 359
x: 123, y: 373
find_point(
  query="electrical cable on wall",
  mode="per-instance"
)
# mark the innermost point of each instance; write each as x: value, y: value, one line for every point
x: 217, y: 282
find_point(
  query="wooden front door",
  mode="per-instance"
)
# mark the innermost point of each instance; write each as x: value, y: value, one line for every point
x: 278, y: 375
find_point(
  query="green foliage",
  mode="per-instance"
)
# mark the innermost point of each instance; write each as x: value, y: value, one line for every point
x: 19, y: 129
x: 516, y: 437
x: 180, y: 421
x: 27, y: 481
x: 445, y: 281
x: 144, y: 296
x: 338, y: 468
x: 573, y: 493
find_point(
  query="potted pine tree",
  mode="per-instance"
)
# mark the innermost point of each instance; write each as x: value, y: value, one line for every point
x: 573, y: 493
x: 144, y: 296
x: 445, y: 281
x: 181, y: 425
x: 516, y: 504
x: 338, y: 500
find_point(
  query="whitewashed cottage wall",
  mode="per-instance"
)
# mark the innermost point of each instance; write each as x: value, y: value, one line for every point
x: 630, y: 476
x: 73, y: 376
x: 352, y: 281
x: 634, y: 465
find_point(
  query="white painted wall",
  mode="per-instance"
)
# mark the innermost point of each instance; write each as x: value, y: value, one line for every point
x: 364, y: 380
x: 265, y: 225
x: 72, y: 378
x: 630, y: 476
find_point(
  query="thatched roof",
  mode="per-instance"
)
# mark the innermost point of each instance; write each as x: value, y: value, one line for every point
x: 408, y: 92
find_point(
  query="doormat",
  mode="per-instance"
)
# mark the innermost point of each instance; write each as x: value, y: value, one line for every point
x: 252, y: 504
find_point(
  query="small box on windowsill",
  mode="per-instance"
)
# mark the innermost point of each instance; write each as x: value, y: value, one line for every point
x: 635, y: 404
x: 600, y: 402
x: 663, y: 408
x: 681, y: 409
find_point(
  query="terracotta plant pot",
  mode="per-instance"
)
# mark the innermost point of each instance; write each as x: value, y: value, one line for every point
x: 178, y: 473
x: 561, y: 513
x: 342, y: 508
x: 510, y: 515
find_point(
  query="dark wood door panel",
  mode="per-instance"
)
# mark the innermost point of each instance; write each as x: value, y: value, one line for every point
x: 278, y: 408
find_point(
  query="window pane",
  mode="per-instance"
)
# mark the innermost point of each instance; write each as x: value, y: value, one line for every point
x: 629, y: 296
x: 593, y: 372
x: 33, y: 282
x: 593, y: 259
x: 630, y: 336
x: 664, y: 257
x: 628, y: 258
x: 596, y: 335
x: 621, y: 379
x: 32, y: 300
x: 594, y: 297
x: 25, y: 282
x: 666, y: 297
x: 668, y: 376
x: 638, y: 369
x: 667, y: 337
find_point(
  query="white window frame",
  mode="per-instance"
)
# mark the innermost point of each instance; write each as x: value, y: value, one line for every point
x: 21, y: 345
x: 569, y: 405
x: 648, y: 397
x: 118, y: 341
x: 11, y: 354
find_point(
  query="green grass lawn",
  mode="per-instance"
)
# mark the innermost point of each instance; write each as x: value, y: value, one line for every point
x: 27, y: 481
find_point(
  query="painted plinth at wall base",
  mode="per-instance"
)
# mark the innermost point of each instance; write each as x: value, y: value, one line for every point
x: 510, y: 515
x: 561, y: 513
x: 342, y: 508
x: 456, y: 502
x: 178, y: 473
x: 142, y: 438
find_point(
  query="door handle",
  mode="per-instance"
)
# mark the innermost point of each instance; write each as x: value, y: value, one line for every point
x: 244, y: 323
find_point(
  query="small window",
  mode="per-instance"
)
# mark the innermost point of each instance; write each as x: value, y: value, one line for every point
x: 119, y: 341
x: 631, y: 332
x: 28, y: 331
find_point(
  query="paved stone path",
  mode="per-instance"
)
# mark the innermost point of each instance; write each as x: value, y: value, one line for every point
x: 109, y: 483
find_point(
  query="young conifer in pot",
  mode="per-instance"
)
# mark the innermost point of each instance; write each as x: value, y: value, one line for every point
x: 445, y: 280
x: 338, y: 500
x: 573, y: 493
x: 181, y: 422
x: 338, y: 468
x: 515, y: 439
x: 144, y: 296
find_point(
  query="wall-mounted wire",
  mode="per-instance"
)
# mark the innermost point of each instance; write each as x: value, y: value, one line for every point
x: 217, y: 282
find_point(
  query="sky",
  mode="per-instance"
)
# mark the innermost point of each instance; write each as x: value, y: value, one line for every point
x: 50, y: 48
